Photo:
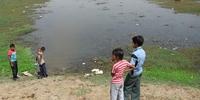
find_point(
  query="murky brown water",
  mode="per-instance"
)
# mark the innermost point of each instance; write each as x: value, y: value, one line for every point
x: 78, y: 29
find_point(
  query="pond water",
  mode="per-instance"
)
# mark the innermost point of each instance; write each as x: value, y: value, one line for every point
x: 76, y: 29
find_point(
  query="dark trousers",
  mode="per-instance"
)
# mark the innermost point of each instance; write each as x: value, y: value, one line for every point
x: 43, y: 71
x: 14, y: 69
x: 132, y: 87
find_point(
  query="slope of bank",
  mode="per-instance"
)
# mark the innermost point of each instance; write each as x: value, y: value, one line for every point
x: 75, y: 88
x: 16, y: 19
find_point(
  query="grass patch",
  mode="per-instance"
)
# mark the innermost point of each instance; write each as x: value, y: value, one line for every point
x: 163, y: 66
x: 25, y: 61
x: 16, y: 20
x: 182, y: 6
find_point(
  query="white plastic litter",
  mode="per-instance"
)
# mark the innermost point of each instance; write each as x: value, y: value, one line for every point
x: 97, y: 71
x: 86, y: 75
x: 83, y: 63
x: 26, y: 73
x: 175, y: 48
x: 36, y: 64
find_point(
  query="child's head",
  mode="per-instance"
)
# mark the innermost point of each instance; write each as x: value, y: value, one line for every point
x: 12, y: 46
x: 117, y: 54
x: 42, y: 49
x: 137, y: 41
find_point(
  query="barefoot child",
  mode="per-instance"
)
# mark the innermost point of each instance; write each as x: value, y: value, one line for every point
x: 12, y: 57
x: 41, y: 61
x: 118, y: 69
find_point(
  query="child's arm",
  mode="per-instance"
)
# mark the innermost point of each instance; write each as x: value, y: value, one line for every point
x: 112, y: 71
x: 129, y: 67
x: 11, y: 64
x: 9, y: 58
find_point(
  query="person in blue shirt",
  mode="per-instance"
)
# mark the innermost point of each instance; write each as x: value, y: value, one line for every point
x: 132, y: 81
x: 12, y: 57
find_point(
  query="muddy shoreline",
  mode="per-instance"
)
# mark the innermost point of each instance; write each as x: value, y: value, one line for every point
x: 71, y: 38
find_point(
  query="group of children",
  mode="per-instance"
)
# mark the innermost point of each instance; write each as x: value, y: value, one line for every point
x: 130, y: 88
x: 120, y: 89
x: 12, y: 57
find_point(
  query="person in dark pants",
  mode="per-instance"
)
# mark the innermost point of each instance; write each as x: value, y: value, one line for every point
x: 12, y: 57
x: 132, y: 81
x: 41, y: 62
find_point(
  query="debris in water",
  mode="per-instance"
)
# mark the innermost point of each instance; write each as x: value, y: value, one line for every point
x: 186, y: 39
x: 166, y: 25
x: 137, y: 24
x: 83, y: 63
x: 141, y: 16
x: 40, y: 16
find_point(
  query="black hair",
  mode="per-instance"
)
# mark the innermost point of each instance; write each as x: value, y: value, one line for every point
x: 139, y: 40
x: 43, y: 48
x: 119, y: 53
x: 12, y: 45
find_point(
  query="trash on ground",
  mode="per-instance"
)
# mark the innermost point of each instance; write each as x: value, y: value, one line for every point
x: 97, y: 71
x: 175, y: 48
x: 87, y: 75
x: 26, y: 73
x: 83, y: 63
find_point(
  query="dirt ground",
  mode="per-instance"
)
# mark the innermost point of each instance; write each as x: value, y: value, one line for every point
x: 72, y: 88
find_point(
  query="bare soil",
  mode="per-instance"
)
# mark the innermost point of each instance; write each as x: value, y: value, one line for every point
x: 73, y: 88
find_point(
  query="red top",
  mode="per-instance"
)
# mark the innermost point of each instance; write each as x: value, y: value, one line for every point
x: 118, y: 71
x: 10, y: 52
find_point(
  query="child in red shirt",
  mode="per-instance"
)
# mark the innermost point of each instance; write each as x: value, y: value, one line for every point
x: 117, y: 74
x: 12, y: 57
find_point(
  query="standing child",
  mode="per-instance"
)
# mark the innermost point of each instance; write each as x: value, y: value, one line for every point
x: 132, y: 81
x: 38, y: 62
x: 12, y: 57
x: 118, y: 69
x: 41, y: 62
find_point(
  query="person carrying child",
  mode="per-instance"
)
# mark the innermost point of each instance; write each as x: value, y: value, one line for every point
x: 118, y: 68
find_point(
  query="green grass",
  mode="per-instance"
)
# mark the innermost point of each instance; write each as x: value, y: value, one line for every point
x: 15, y: 20
x: 25, y: 61
x: 183, y: 6
x: 164, y: 66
